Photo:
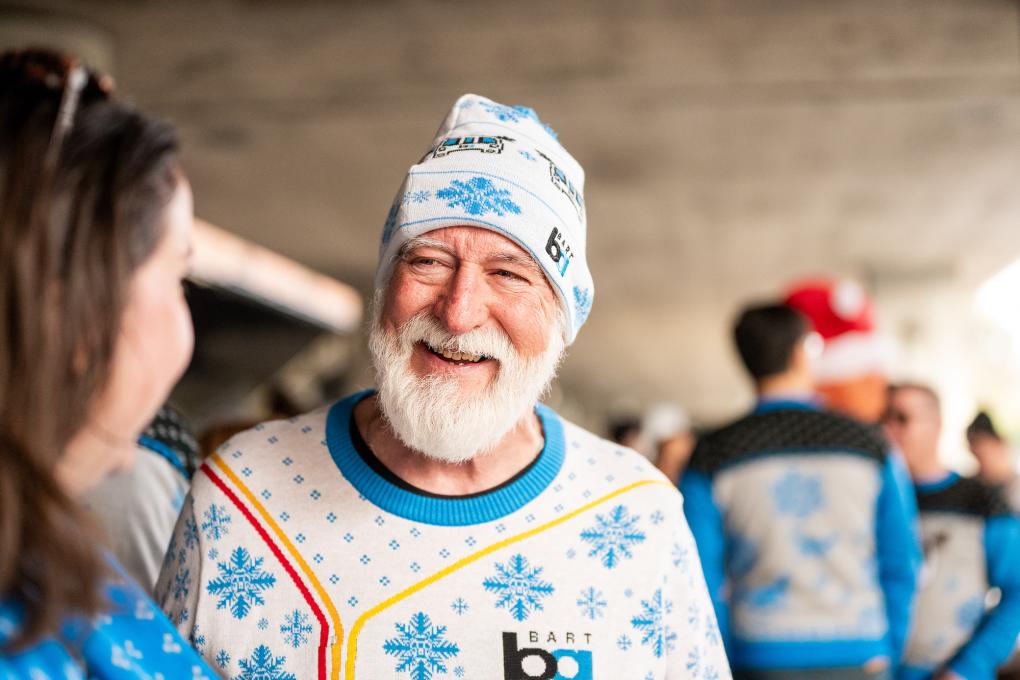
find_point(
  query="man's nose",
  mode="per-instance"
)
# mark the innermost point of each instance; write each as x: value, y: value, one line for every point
x: 463, y: 305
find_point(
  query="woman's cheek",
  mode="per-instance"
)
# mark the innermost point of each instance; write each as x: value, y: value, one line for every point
x: 154, y: 349
x: 182, y: 331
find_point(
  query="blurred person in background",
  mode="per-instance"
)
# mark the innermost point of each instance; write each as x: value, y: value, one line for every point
x: 667, y: 428
x: 996, y: 461
x: 625, y: 431
x: 851, y: 373
x: 674, y: 453
x: 996, y: 467
x: 800, y: 516
x: 95, y: 221
x: 138, y: 507
x: 971, y: 546
x: 448, y: 523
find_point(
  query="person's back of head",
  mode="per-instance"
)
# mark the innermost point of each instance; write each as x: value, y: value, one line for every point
x: 982, y: 425
x: 86, y: 185
x: 992, y: 451
x: 767, y: 337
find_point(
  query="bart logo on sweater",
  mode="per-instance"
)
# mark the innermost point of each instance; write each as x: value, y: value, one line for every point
x: 536, y: 663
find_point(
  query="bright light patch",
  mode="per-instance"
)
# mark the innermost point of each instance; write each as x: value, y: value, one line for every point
x: 997, y: 300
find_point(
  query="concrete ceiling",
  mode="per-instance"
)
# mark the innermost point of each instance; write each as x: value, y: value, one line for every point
x: 730, y: 146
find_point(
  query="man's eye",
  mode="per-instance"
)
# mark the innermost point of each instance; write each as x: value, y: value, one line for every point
x: 503, y: 273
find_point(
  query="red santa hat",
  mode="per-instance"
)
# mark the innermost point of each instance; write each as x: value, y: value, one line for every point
x: 841, y: 312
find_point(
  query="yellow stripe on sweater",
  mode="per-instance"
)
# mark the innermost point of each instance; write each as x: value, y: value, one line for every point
x: 334, y: 616
x: 352, y: 643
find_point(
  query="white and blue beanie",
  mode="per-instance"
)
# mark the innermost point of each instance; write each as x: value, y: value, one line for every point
x: 500, y: 168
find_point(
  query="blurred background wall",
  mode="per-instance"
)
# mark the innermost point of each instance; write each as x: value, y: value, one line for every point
x: 730, y: 148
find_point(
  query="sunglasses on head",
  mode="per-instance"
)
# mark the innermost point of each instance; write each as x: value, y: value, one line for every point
x: 40, y: 73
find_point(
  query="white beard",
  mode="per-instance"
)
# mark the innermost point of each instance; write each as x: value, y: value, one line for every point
x: 431, y: 414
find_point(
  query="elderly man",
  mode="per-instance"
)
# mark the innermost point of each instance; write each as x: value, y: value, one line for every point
x: 448, y: 525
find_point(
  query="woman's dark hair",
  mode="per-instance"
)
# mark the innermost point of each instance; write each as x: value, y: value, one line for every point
x: 766, y: 336
x: 72, y: 232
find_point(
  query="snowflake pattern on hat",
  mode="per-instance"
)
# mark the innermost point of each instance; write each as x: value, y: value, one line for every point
x: 478, y: 196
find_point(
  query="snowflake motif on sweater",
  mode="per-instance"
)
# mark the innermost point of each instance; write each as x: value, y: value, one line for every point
x: 217, y: 522
x: 613, y: 536
x: 592, y: 603
x: 263, y: 665
x: 798, y: 495
x: 241, y: 583
x: 519, y: 586
x: 421, y: 647
x: 296, y: 628
x: 651, y: 622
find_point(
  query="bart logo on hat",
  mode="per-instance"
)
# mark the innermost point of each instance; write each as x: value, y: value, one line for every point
x: 500, y: 168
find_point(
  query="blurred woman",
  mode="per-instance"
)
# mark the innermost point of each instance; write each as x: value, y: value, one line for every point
x: 95, y: 220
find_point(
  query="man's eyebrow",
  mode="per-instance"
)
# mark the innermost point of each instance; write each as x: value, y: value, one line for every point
x: 414, y: 244
x: 519, y: 260
x: 423, y: 242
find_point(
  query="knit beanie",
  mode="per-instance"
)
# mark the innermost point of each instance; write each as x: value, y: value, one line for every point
x: 499, y: 168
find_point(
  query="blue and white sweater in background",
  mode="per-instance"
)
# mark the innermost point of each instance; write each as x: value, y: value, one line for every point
x: 138, y: 508
x: 971, y: 546
x: 806, y: 530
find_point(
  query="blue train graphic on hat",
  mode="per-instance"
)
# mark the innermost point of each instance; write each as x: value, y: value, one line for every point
x: 483, y: 144
x: 560, y: 181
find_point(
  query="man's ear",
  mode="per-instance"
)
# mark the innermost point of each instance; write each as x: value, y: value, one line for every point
x: 800, y: 357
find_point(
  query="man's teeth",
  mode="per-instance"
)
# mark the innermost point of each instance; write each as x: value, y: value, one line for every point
x: 458, y: 356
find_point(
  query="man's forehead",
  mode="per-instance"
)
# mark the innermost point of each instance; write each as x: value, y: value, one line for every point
x: 472, y: 241
x: 914, y: 398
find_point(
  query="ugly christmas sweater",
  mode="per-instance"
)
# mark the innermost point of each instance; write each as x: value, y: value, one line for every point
x: 298, y: 555
x: 805, y: 525
x: 971, y: 545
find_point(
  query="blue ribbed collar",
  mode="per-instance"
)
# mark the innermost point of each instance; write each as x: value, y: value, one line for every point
x: 939, y: 483
x: 165, y: 452
x: 443, y: 511
x: 786, y: 403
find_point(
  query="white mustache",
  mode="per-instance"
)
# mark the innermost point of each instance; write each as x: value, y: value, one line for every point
x: 489, y: 342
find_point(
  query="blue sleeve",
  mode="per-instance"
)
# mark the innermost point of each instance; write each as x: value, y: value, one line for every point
x: 706, y: 524
x: 996, y: 634
x: 136, y: 640
x: 898, y: 550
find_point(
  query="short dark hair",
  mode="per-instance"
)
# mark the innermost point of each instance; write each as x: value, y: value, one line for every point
x: 622, y: 428
x: 766, y: 336
x: 982, y: 425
